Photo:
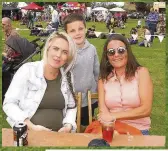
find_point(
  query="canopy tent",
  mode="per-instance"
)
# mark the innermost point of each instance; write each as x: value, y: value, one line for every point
x: 33, y: 6
x: 117, y: 9
x: 9, y: 8
x: 99, y: 9
x: 11, y: 12
x: 21, y: 4
x: 72, y: 5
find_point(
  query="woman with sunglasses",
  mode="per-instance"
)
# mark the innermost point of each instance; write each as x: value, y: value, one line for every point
x: 125, y: 87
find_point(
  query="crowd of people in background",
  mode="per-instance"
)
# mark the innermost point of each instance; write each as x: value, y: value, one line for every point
x: 153, y: 21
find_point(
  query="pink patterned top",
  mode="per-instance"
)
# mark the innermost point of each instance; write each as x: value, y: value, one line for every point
x: 122, y: 96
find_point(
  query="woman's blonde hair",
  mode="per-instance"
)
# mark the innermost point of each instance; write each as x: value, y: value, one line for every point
x: 72, y: 49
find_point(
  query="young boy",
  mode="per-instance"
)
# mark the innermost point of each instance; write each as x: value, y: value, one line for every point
x: 86, y: 68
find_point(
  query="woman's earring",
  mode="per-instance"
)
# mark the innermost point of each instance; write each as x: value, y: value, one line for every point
x: 108, y: 63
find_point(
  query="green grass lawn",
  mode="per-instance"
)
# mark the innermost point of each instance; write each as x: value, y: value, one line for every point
x: 154, y: 58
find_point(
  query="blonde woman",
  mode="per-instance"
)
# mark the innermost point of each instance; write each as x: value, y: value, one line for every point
x: 41, y: 93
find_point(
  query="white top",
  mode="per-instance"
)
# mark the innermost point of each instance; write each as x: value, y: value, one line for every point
x: 139, y: 22
x: 55, y: 16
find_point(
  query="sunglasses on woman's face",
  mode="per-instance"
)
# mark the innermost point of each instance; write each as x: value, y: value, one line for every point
x: 119, y: 50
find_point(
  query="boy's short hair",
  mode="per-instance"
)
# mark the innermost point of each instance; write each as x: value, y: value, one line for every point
x: 72, y: 18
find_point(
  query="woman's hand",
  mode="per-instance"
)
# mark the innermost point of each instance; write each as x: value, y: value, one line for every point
x: 40, y: 128
x: 66, y: 129
x: 105, y: 116
x: 34, y: 127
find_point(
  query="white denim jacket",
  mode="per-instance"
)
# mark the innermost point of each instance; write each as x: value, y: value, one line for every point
x: 26, y: 91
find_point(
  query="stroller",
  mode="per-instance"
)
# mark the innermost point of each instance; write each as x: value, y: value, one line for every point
x: 26, y: 51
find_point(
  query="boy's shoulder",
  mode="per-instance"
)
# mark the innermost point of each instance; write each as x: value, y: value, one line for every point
x: 89, y: 44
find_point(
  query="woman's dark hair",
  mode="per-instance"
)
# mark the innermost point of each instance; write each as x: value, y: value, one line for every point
x: 106, y: 68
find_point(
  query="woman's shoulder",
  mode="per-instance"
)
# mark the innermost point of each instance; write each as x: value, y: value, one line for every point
x: 32, y: 64
x: 142, y: 72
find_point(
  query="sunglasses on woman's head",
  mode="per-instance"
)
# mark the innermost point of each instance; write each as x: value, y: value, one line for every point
x: 119, y: 50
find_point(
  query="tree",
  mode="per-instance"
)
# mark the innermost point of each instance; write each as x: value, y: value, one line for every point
x: 93, y: 4
x: 88, y: 4
x: 141, y: 6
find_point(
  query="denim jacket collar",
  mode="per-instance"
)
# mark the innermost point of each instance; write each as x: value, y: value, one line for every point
x: 40, y: 70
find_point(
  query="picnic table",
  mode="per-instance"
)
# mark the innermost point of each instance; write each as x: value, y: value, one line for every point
x: 44, y: 138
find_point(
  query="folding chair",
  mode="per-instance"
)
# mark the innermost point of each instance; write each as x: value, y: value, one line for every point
x: 90, y: 97
x: 79, y: 101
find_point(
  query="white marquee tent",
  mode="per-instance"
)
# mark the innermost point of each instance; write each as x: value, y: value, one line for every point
x: 117, y: 9
x: 21, y: 4
x: 99, y: 9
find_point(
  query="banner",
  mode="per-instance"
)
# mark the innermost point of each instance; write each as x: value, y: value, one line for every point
x: 148, y: 37
x: 161, y: 37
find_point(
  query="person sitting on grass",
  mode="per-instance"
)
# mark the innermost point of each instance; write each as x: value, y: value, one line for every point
x: 146, y: 42
x: 47, y: 31
x: 121, y: 24
x: 91, y: 32
x: 134, y: 36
